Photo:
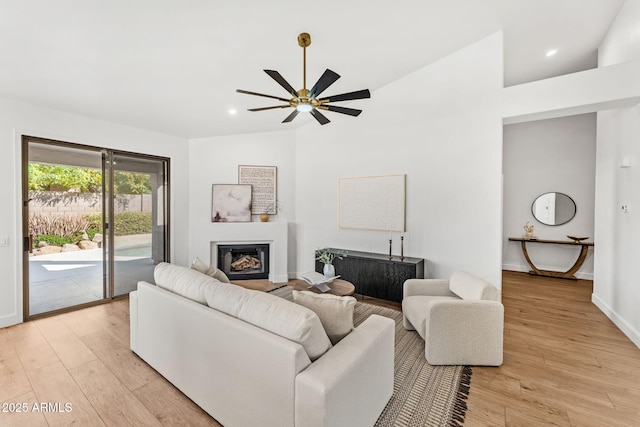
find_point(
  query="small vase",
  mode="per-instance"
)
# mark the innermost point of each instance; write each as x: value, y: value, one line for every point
x: 329, y: 271
x: 264, y: 217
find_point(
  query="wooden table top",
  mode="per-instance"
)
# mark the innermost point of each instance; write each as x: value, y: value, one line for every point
x: 557, y: 242
x: 338, y: 287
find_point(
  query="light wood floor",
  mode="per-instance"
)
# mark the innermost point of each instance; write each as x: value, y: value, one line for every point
x: 565, y: 364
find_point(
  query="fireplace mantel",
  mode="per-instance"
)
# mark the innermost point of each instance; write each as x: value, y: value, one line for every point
x: 273, y: 233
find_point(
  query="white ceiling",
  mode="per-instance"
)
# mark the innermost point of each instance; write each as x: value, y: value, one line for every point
x: 173, y: 66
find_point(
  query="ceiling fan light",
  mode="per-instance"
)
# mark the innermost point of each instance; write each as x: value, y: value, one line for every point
x: 304, y: 108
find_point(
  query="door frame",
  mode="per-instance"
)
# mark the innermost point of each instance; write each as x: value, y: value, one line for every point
x: 107, y: 210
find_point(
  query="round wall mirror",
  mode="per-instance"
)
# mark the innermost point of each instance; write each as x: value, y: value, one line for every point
x: 553, y: 208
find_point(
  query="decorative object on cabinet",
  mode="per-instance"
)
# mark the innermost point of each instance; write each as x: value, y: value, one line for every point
x: 326, y: 256
x: 376, y: 275
x: 528, y: 229
x: 230, y: 203
x: 577, y: 239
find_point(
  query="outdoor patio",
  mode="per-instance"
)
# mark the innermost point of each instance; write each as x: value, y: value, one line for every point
x: 67, y: 279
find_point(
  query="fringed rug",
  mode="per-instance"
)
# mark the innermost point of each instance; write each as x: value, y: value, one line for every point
x: 423, y: 395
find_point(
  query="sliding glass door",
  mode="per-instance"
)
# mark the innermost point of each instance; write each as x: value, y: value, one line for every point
x: 138, y: 222
x: 63, y: 206
x: 94, y: 223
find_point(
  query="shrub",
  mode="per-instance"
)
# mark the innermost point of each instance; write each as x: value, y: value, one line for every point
x: 125, y: 223
x: 53, y: 240
x: 94, y: 224
x: 63, y: 226
x: 58, y: 230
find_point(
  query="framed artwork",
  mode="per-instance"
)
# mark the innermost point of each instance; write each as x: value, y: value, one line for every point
x: 372, y: 203
x: 263, y: 181
x: 231, y: 203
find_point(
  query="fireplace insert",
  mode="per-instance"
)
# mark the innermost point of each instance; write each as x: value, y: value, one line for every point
x: 245, y: 261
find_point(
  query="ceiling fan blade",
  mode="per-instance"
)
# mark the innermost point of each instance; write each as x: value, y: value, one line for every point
x: 291, y: 116
x: 343, y: 110
x: 268, y: 108
x: 359, y: 94
x: 261, y: 94
x: 282, y: 82
x: 319, y: 117
x: 326, y: 79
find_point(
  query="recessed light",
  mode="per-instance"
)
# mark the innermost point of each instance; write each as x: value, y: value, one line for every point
x: 551, y: 52
x: 233, y: 111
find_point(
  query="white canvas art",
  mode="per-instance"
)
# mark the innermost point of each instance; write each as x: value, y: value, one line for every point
x: 372, y: 203
x: 231, y: 203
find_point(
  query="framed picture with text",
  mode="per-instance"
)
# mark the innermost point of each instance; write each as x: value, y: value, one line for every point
x: 264, y: 182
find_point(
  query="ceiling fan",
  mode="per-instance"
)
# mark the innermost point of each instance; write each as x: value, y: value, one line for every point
x: 308, y: 100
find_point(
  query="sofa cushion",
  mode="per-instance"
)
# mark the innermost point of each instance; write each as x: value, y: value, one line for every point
x: 469, y: 287
x: 209, y: 270
x: 416, y: 309
x: 183, y: 281
x: 335, y: 312
x: 274, y: 314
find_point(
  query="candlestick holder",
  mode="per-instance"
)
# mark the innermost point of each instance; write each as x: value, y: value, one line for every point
x: 390, y: 256
x: 401, y: 247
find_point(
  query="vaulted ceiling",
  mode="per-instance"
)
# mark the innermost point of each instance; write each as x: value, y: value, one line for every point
x: 173, y: 66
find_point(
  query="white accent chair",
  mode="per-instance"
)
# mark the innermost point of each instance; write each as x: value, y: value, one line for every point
x: 461, y: 319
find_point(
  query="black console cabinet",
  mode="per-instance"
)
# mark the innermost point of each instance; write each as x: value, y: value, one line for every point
x: 376, y: 275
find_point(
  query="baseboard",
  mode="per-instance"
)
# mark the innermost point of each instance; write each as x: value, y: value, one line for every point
x: 622, y: 324
x: 279, y: 278
x: 9, y: 320
x: 526, y: 269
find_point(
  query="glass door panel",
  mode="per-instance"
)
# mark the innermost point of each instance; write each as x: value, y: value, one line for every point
x: 63, y: 216
x: 138, y: 223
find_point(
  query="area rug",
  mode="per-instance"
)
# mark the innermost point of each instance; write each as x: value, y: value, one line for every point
x: 423, y: 395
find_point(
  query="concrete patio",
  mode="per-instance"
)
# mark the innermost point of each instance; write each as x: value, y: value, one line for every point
x: 71, y: 278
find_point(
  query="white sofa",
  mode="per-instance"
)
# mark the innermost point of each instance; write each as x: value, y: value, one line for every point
x: 461, y: 319
x: 244, y: 375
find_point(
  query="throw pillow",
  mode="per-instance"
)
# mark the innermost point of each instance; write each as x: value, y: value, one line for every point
x: 217, y: 274
x: 211, y: 271
x: 183, y: 281
x: 335, y: 312
x: 274, y: 314
x: 200, y: 265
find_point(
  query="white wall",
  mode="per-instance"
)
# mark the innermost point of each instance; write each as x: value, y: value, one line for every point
x: 16, y: 119
x: 616, y: 290
x: 215, y: 161
x: 543, y: 156
x: 441, y: 127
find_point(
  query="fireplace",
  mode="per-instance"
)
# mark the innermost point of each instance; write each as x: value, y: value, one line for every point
x: 245, y: 261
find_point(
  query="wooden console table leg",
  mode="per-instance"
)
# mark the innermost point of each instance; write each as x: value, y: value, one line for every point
x: 569, y: 274
x: 526, y: 256
x: 583, y: 255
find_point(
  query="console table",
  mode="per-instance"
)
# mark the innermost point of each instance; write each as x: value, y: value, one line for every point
x: 376, y: 275
x: 569, y: 274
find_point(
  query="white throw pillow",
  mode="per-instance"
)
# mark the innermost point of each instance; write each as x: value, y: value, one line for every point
x: 209, y: 270
x: 200, y: 265
x: 183, y: 281
x: 274, y: 314
x: 335, y: 312
x: 217, y: 274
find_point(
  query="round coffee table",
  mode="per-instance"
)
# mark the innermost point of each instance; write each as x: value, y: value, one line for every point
x: 338, y: 287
